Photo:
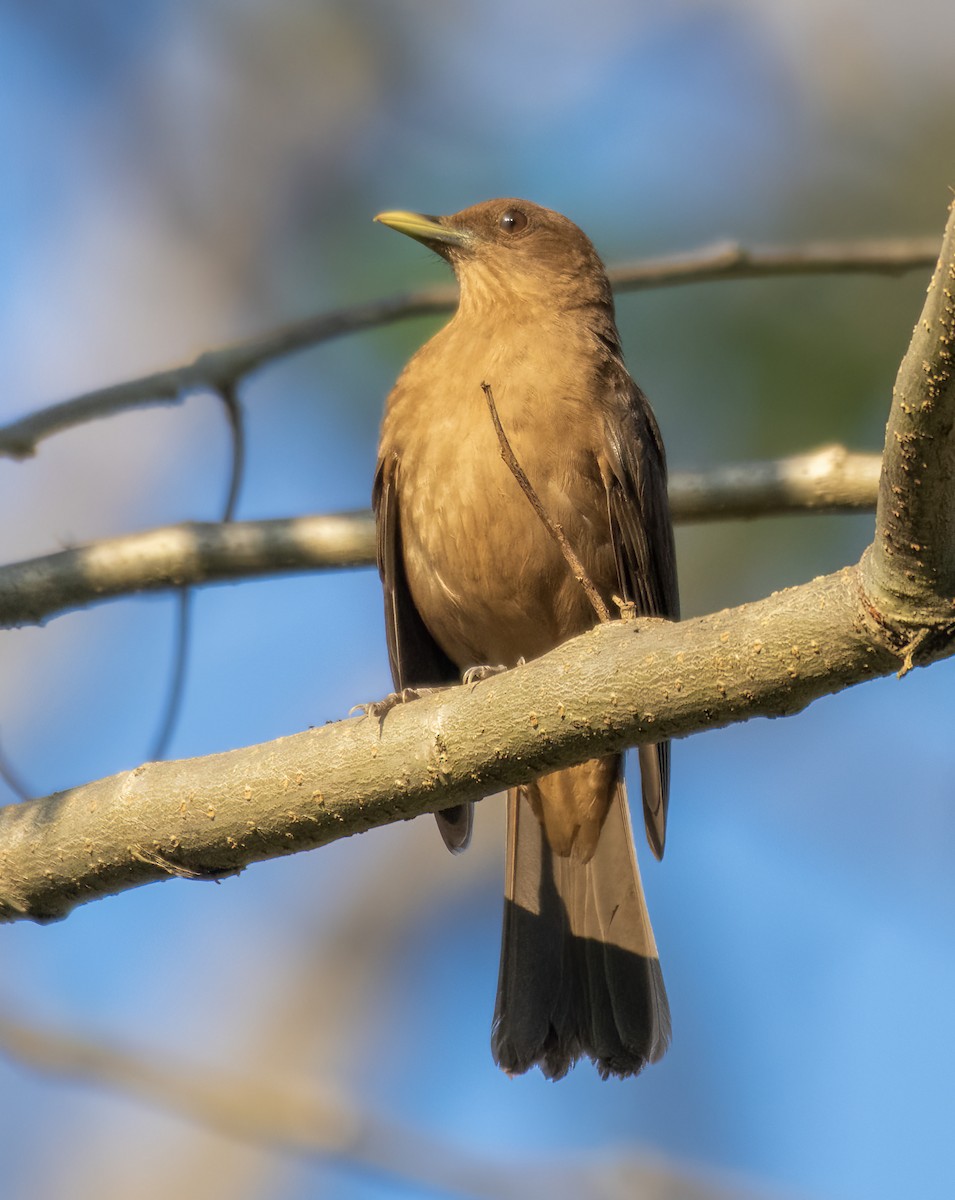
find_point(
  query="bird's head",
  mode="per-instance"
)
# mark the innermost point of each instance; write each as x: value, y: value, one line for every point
x: 511, y: 250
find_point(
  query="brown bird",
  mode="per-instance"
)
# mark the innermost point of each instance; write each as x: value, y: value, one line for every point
x: 472, y: 577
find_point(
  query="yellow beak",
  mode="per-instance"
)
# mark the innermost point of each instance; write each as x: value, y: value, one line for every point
x: 424, y: 228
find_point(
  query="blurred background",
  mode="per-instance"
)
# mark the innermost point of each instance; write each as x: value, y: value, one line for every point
x: 181, y: 174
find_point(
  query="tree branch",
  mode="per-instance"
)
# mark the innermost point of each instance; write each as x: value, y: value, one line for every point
x: 191, y: 553
x: 314, y: 1123
x: 214, y: 370
x: 731, y: 260
x: 621, y: 684
x: 827, y: 480
x: 830, y: 479
x: 219, y: 370
x: 910, y: 567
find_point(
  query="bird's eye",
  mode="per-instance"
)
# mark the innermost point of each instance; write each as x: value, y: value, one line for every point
x: 513, y: 221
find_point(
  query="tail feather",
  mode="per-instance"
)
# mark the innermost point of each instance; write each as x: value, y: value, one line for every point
x: 655, y: 788
x: 580, y: 975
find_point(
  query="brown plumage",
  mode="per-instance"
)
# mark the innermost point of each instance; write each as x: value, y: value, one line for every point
x: 472, y: 577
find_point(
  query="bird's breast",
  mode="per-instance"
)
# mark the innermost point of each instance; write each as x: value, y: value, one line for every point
x: 487, y: 577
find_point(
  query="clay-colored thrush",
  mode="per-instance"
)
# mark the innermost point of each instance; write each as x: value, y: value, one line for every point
x: 472, y: 577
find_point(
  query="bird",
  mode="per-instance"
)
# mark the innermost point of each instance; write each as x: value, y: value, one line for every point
x: 472, y: 579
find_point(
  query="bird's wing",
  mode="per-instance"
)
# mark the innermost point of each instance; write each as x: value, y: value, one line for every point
x: 642, y: 535
x: 416, y: 658
x: 640, y: 522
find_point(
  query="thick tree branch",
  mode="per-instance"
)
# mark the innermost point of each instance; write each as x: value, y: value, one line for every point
x: 220, y: 370
x: 827, y: 480
x: 620, y: 684
x: 910, y: 568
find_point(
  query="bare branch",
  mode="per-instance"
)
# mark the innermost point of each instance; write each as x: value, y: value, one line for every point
x: 830, y: 479
x: 730, y: 260
x: 620, y: 684
x: 193, y: 552
x: 910, y: 569
x: 312, y: 1123
x: 223, y: 368
x: 215, y: 369
x: 827, y: 480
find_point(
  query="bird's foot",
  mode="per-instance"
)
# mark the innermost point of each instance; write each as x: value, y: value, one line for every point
x: 379, y: 709
x: 210, y: 874
x: 627, y: 608
x: 478, y: 674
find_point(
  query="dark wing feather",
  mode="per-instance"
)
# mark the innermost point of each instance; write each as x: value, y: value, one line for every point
x: 416, y: 658
x: 642, y: 535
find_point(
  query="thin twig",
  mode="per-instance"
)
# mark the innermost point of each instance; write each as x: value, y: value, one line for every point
x: 177, y: 680
x: 556, y: 532
x: 11, y: 777
x: 229, y: 396
x: 731, y: 260
x: 215, y: 369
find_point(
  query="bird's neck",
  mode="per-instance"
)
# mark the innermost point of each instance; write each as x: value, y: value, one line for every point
x: 569, y: 309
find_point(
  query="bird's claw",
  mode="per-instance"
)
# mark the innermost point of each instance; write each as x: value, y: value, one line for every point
x: 478, y: 674
x: 379, y: 709
x: 210, y: 874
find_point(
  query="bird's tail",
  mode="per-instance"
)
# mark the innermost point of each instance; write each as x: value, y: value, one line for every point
x: 579, y: 972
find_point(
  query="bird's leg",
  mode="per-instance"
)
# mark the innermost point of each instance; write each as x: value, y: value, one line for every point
x: 379, y: 709
x: 628, y: 610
